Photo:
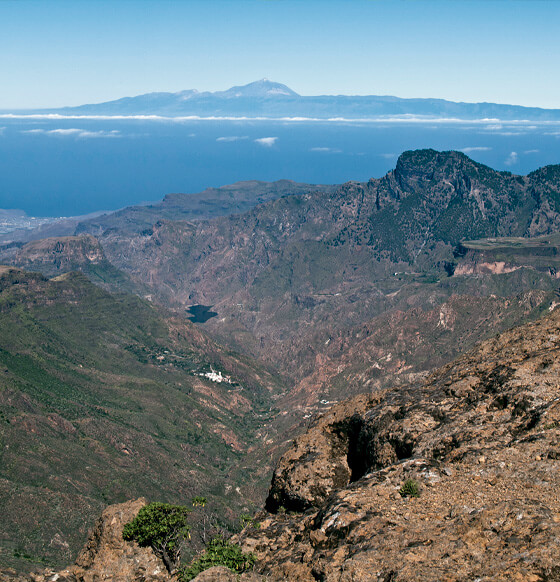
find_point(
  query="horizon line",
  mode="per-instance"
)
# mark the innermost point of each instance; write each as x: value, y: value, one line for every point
x: 404, y: 118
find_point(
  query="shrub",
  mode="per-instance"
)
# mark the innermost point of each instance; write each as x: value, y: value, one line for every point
x: 410, y: 488
x: 219, y: 552
x: 199, y: 501
x: 246, y: 519
x: 161, y: 526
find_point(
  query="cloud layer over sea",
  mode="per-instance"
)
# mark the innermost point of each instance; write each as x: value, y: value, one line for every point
x: 56, y: 165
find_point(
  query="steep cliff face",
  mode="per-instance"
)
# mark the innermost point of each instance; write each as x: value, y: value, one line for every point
x: 58, y: 255
x: 481, y: 440
x: 62, y: 252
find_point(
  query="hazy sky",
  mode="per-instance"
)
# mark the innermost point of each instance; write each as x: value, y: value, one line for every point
x: 68, y: 52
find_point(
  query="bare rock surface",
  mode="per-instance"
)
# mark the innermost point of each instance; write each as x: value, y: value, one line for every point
x: 107, y: 557
x: 481, y: 438
x: 222, y: 574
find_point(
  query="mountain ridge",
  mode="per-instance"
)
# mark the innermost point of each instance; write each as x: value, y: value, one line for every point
x: 270, y: 99
x: 284, y: 274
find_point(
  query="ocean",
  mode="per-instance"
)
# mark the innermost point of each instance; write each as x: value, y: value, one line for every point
x: 56, y: 166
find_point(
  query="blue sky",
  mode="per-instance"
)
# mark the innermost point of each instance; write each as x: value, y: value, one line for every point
x: 68, y: 52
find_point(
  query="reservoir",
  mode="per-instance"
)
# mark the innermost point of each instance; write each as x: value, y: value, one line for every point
x: 200, y: 313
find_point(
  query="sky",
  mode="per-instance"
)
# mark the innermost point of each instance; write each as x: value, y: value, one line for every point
x: 69, y: 52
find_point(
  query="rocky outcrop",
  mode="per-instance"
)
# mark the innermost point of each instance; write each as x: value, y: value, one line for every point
x: 65, y: 252
x: 106, y: 556
x: 481, y: 439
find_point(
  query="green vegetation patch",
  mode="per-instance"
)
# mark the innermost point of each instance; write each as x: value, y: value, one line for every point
x: 410, y: 488
x: 219, y: 552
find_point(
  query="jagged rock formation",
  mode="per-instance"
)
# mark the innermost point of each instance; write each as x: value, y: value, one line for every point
x: 106, y: 554
x: 481, y: 437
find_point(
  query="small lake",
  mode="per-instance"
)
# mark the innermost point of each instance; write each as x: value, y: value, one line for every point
x: 201, y: 313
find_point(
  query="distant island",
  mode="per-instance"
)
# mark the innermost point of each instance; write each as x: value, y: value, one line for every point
x: 270, y: 100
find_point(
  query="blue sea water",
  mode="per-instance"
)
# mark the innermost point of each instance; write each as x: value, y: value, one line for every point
x: 69, y: 166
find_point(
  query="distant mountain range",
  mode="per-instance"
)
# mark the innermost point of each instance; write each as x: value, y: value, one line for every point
x: 268, y: 99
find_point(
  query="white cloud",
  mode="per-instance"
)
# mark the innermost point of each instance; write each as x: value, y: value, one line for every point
x: 388, y: 156
x: 512, y: 159
x: 471, y: 149
x: 74, y: 132
x: 230, y: 138
x: 531, y: 151
x: 485, y: 124
x: 112, y: 133
x: 266, y: 142
x: 2, y: 130
x: 326, y: 150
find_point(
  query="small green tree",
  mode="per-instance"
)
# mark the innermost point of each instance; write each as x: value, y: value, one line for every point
x: 161, y: 526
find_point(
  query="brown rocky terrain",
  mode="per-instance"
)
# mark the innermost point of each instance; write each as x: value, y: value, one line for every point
x: 106, y: 556
x: 212, y: 202
x: 62, y: 252
x: 58, y: 255
x: 481, y: 439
